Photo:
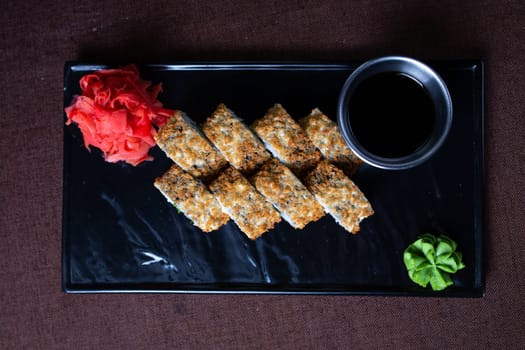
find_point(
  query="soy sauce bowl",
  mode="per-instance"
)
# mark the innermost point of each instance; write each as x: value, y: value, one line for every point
x: 432, y: 85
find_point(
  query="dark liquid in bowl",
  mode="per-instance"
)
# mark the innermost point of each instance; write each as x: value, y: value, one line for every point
x: 391, y: 114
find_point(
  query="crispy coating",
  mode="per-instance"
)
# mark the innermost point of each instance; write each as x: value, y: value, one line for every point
x: 247, y: 207
x: 285, y: 139
x: 243, y: 150
x: 325, y: 135
x: 183, y: 142
x: 192, y: 198
x: 340, y: 197
x: 283, y: 189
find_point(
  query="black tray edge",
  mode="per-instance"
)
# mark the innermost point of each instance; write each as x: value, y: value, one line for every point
x: 65, y: 189
x: 275, y: 290
x: 481, y: 184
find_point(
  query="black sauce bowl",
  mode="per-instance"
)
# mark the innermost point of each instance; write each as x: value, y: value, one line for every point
x: 434, y: 86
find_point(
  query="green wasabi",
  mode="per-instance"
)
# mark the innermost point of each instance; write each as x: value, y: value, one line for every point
x: 431, y: 259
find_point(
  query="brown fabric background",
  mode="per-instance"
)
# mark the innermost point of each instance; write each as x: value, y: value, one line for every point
x: 36, y: 38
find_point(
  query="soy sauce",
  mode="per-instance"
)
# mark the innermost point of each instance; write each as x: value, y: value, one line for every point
x: 391, y: 114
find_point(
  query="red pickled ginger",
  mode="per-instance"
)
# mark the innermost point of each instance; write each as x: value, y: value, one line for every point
x: 117, y: 113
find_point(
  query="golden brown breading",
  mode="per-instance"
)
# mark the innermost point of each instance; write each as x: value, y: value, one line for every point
x: 283, y: 189
x: 183, y: 142
x: 325, y: 135
x: 340, y: 197
x: 192, y: 198
x: 237, y: 143
x: 247, y: 207
x: 285, y: 139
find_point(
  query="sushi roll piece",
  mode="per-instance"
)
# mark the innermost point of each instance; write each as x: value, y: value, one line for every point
x: 325, y: 135
x: 251, y: 212
x: 237, y: 143
x: 285, y: 139
x: 288, y: 195
x: 339, y: 196
x: 188, y: 147
x: 192, y: 198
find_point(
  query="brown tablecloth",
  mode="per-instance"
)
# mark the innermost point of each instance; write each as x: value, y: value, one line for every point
x: 36, y: 38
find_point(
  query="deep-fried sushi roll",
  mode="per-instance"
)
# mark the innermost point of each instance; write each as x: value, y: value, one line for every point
x: 247, y: 207
x: 340, y: 197
x: 283, y: 189
x: 285, y: 139
x: 185, y: 144
x: 325, y: 135
x: 241, y: 148
x: 192, y: 198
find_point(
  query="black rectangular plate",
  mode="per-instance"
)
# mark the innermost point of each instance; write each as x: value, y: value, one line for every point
x: 120, y: 234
